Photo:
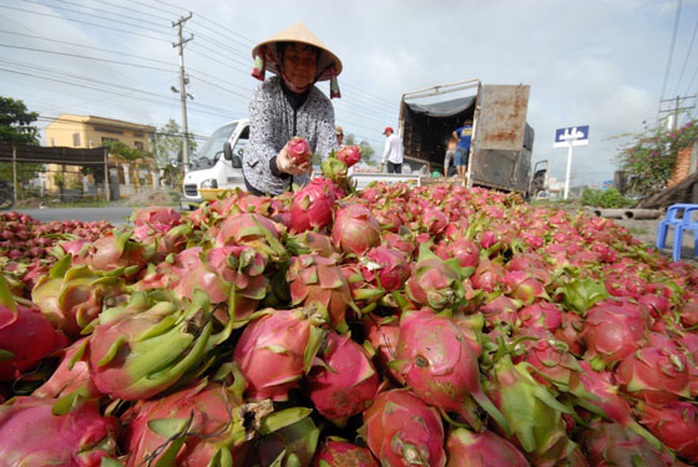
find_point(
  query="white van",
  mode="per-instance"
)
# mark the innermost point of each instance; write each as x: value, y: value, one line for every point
x: 218, y: 165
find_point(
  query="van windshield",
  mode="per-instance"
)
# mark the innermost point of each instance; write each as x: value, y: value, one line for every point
x: 213, y: 148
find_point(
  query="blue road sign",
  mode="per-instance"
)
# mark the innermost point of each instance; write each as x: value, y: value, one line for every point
x: 571, y: 136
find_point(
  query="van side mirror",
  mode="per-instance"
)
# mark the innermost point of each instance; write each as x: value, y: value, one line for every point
x: 227, y: 151
x: 237, y: 161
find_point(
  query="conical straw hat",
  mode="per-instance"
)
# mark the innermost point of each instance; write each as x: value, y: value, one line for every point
x: 328, y: 63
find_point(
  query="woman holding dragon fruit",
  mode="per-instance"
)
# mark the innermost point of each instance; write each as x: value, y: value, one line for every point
x: 288, y: 107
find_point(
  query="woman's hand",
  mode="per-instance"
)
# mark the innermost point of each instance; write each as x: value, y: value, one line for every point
x: 285, y: 164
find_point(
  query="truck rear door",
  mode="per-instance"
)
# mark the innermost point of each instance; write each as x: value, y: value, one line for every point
x: 499, y: 158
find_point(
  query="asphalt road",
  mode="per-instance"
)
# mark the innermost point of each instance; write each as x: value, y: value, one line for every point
x: 115, y: 215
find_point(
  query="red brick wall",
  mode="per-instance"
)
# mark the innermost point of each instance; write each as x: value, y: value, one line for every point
x: 683, y: 168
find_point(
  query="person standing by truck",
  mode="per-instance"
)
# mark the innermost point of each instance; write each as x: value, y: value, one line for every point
x: 287, y: 105
x: 393, y: 152
x: 465, y: 136
x: 450, y: 154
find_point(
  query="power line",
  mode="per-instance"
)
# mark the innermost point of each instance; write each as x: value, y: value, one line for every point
x: 671, y: 47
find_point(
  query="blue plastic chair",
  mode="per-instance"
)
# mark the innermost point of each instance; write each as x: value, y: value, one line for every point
x: 678, y: 216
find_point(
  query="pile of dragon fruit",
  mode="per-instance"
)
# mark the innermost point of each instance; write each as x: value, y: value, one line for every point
x: 396, y: 326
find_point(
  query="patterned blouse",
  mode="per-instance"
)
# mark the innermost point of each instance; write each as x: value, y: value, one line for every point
x: 272, y: 126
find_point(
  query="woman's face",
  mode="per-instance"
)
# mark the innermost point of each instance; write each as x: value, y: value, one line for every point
x: 300, y: 64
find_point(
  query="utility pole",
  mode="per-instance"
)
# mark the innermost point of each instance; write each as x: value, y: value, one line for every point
x: 183, y: 81
x: 676, y: 106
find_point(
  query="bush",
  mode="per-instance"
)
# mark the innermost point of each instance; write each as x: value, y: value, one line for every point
x: 608, y: 199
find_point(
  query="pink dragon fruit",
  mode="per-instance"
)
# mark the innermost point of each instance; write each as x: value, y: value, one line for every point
x: 555, y: 364
x: 383, y: 335
x: 71, y: 297
x: 569, y: 332
x: 277, y: 349
x: 466, y: 448
x: 611, y: 444
x: 387, y: 266
x: 675, y: 424
x: 440, y: 366
x: 337, y: 452
x: 655, y: 375
x: 33, y: 431
x: 26, y: 336
x: 466, y: 250
x: 251, y: 229
x: 541, y: 315
x: 157, y: 215
x: 313, y: 278
x: 299, y: 150
x: 350, y: 155
x: 434, y: 282
x: 313, y: 205
x: 433, y: 221
x: 147, y: 345
x: 501, y: 311
x: 346, y: 384
x: 191, y: 427
x: 355, y: 229
x: 232, y: 274
x: 534, y: 416
x: 524, y: 286
x: 115, y: 251
x: 71, y: 375
x: 613, y: 331
x: 401, y: 429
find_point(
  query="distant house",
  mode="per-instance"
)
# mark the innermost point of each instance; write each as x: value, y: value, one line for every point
x: 89, y: 131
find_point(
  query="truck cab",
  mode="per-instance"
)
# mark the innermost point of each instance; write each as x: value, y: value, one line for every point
x: 218, y: 166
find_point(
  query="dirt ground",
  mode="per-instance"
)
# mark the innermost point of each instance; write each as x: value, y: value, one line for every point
x: 645, y: 230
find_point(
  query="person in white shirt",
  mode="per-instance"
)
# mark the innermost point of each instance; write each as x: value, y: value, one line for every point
x: 393, y: 152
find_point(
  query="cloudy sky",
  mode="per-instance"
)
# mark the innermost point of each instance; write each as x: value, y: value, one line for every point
x: 614, y: 65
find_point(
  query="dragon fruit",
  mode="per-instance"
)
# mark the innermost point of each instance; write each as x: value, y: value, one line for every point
x: 346, y: 383
x: 313, y: 205
x: 466, y: 250
x: 277, y: 349
x: 350, y: 155
x: 534, y: 417
x: 26, y: 336
x: 251, y: 229
x: 675, y: 424
x: 71, y: 375
x: 655, y: 375
x: 613, y: 331
x: 299, y: 150
x: 434, y: 282
x: 355, y: 229
x: 33, y: 431
x: 466, y: 448
x: 232, y: 274
x: 400, y: 429
x: 337, y: 452
x: 71, y: 297
x: 314, y: 278
x: 192, y: 427
x: 611, y: 444
x: 387, y: 266
x: 440, y: 366
x: 117, y: 250
x: 147, y: 345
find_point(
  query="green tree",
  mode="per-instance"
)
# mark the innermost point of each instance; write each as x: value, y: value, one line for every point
x: 16, y: 128
x: 16, y: 123
x: 167, y: 145
x: 649, y: 159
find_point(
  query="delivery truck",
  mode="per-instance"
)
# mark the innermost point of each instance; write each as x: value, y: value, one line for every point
x: 502, y: 142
